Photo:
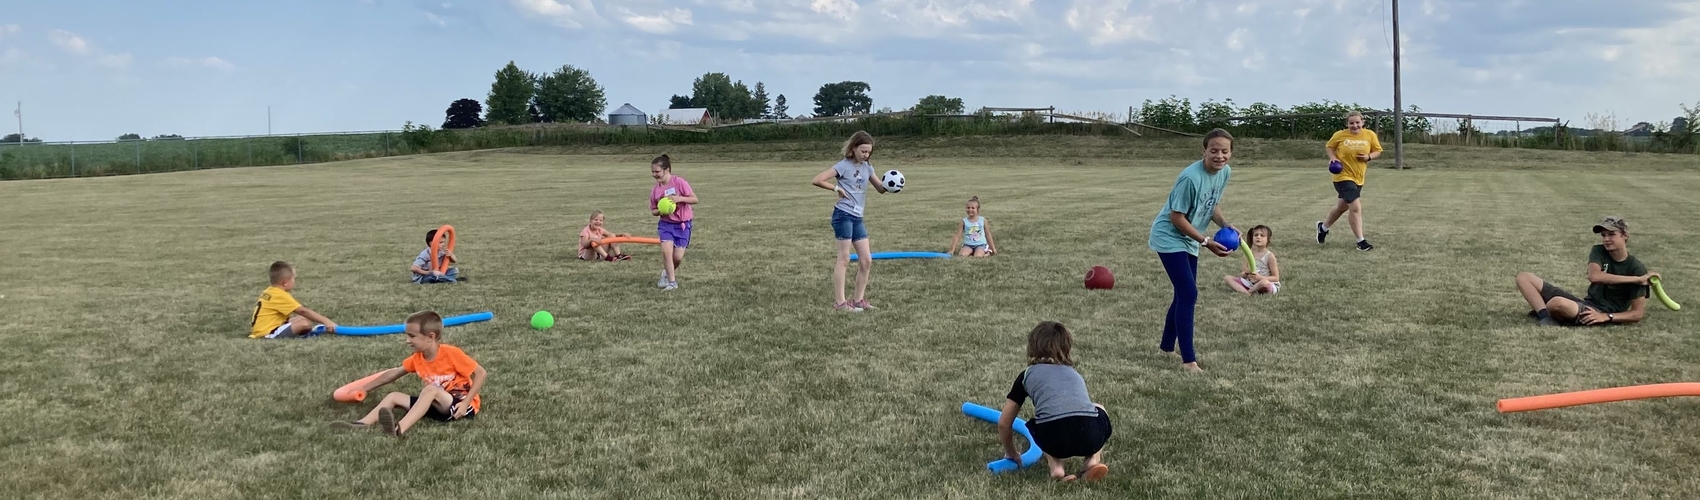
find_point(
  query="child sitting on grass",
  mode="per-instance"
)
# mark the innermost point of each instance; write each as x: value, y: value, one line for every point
x: 590, y: 238
x: 1066, y: 423
x: 424, y: 267
x: 452, y: 381
x: 974, y: 234
x: 277, y: 315
x: 1267, y: 277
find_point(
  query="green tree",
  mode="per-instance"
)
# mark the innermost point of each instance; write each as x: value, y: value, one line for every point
x: 509, y: 96
x: 678, y: 102
x: 741, y: 103
x: 938, y: 105
x: 15, y: 138
x: 843, y: 98
x: 760, y: 102
x: 779, y: 108
x: 129, y: 137
x: 714, y: 91
x: 569, y: 95
x: 463, y: 113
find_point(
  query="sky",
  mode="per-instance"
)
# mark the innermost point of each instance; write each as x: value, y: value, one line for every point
x: 94, y: 69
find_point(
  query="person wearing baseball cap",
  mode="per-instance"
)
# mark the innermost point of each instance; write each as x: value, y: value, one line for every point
x: 1617, y: 285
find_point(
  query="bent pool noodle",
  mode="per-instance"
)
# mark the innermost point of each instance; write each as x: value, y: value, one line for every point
x: 1659, y: 292
x: 904, y: 255
x: 1250, y: 261
x: 438, y: 258
x: 626, y: 239
x: 1002, y: 465
x: 351, y: 393
x: 1614, y: 394
x: 399, y: 327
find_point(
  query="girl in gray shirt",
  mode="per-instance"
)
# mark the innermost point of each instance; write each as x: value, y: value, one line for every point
x: 1066, y: 423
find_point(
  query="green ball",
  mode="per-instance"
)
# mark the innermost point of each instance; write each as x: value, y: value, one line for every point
x: 542, y: 320
x: 666, y: 206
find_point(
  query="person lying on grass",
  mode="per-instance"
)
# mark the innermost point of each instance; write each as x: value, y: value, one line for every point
x: 451, y: 380
x: 1617, y: 285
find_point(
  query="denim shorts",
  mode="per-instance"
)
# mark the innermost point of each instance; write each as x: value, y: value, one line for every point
x: 848, y: 227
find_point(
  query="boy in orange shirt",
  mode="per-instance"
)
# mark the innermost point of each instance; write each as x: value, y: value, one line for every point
x: 590, y: 239
x: 277, y: 315
x: 452, y: 381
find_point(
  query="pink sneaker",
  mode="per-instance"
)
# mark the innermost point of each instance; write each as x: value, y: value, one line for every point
x: 863, y: 305
x: 846, y: 307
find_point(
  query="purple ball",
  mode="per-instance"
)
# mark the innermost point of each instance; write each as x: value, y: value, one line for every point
x: 1335, y: 167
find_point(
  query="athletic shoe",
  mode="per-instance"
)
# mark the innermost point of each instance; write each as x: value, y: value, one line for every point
x: 671, y: 285
x: 388, y: 422
x: 1096, y: 473
x: 1321, y: 234
x: 846, y: 307
x: 863, y: 305
x: 350, y: 425
x: 1365, y: 246
x: 622, y: 257
x: 663, y: 282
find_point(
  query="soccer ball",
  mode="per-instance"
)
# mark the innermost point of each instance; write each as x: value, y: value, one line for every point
x: 893, y: 181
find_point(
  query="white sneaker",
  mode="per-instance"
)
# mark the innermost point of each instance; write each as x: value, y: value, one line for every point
x: 663, y: 282
x: 671, y: 285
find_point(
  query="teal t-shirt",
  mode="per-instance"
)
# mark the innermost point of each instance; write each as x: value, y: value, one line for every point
x: 1195, y: 194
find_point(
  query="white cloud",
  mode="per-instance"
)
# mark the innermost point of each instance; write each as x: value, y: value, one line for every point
x: 70, y: 42
x: 664, y: 22
x: 205, y: 62
x: 566, y: 13
x: 842, y: 9
x: 435, y: 19
x: 1357, y: 48
x: 9, y: 29
x: 1108, y: 21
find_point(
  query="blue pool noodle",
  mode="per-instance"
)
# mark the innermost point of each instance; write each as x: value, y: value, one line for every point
x: 1002, y: 465
x: 904, y: 255
x: 399, y: 327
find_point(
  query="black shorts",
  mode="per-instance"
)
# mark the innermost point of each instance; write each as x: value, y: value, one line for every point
x: 1349, y: 191
x: 439, y: 416
x: 1078, y: 436
x: 1549, y: 292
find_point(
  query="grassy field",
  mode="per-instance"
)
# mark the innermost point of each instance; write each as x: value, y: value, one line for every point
x: 124, y: 302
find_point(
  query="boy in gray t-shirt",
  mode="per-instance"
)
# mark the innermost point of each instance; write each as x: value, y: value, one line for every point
x: 1066, y: 423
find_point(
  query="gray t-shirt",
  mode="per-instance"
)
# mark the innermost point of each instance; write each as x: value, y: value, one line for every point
x: 1057, y: 390
x: 853, y: 178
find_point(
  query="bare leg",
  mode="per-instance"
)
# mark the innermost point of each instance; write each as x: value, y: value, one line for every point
x: 982, y: 252
x: 1529, y: 286
x: 864, y: 269
x: 965, y: 252
x: 678, y: 260
x: 1356, y: 217
x: 838, y: 268
x: 1234, y: 283
x: 1057, y: 470
x: 300, y: 325
x: 667, y: 264
x: 394, y: 400
x: 1262, y: 287
x: 1334, y: 215
x: 431, y: 396
x: 1563, y: 309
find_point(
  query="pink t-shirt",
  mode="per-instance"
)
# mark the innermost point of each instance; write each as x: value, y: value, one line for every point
x: 678, y: 186
x: 589, y: 232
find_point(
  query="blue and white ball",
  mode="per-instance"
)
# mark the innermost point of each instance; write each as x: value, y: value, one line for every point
x: 893, y: 181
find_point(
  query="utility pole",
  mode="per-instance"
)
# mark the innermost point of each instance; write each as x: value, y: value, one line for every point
x: 1398, y: 99
x: 20, y: 113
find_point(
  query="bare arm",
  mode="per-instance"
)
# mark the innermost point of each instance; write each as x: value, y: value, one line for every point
x: 1185, y: 227
x: 1006, y: 430
x: 1274, y: 269
x: 1599, y: 276
x: 824, y: 179
x: 330, y: 326
x: 1220, y: 220
x: 390, y: 375
x: 991, y: 244
x: 878, y: 186
x: 956, y: 239
x: 416, y: 270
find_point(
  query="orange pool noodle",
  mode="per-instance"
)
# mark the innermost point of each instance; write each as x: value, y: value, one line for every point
x: 627, y: 239
x: 1564, y: 399
x: 351, y: 393
x: 445, y: 234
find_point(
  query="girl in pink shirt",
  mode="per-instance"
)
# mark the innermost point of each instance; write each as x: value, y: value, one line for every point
x: 590, y: 237
x: 673, y: 229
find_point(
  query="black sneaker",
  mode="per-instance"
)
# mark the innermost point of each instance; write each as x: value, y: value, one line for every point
x: 1321, y: 234
x: 1365, y: 246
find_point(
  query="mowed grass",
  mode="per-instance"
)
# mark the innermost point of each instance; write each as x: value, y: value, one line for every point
x: 124, y: 304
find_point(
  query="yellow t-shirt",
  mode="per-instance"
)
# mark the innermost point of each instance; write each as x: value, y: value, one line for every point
x: 271, y: 311
x: 1347, y: 146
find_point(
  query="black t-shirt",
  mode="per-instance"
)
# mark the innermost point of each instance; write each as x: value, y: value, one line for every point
x: 1615, y: 298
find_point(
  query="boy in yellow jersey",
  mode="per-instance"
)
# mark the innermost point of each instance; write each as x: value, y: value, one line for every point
x: 277, y: 315
x: 1352, y: 148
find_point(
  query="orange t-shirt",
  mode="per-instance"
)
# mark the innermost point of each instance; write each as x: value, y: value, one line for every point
x: 451, y: 370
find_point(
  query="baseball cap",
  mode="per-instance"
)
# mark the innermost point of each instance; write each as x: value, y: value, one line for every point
x: 1612, y: 223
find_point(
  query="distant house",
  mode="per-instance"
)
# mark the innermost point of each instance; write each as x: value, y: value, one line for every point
x: 1642, y: 129
x: 682, y: 116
